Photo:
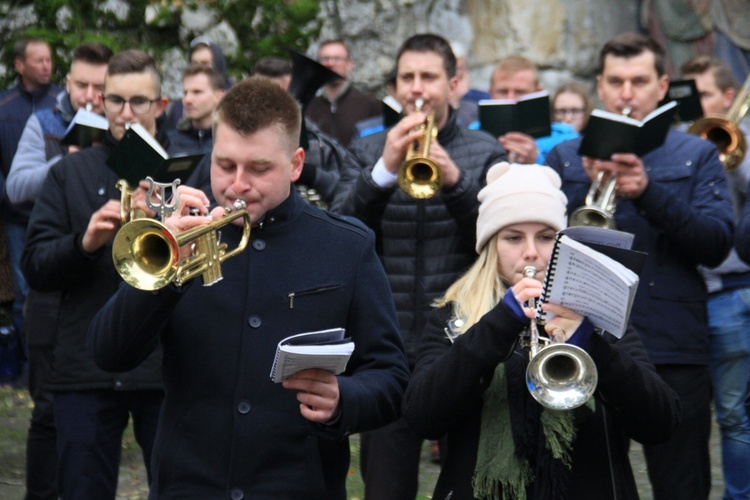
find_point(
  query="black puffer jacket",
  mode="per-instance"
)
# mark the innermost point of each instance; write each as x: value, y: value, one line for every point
x: 424, y: 244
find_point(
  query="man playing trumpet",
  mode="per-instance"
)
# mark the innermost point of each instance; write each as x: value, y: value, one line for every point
x: 226, y: 428
x: 68, y: 250
x: 675, y: 200
x: 424, y: 244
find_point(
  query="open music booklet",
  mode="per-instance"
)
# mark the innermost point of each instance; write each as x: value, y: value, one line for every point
x: 325, y: 349
x: 590, y: 283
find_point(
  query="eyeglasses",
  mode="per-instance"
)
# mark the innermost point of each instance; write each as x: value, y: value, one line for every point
x: 562, y: 112
x: 326, y: 59
x: 138, y: 105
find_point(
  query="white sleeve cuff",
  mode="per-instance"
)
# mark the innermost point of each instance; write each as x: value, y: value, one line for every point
x: 382, y: 176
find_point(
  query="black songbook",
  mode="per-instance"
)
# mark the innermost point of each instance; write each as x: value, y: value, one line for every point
x: 589, y: 283
x: 609, y: 133
x: 530, y: 114
x: 139, y: 155
x: 685, y: 93
x: 391, y: 115
x: 611, y: 242
x: 85, y: 129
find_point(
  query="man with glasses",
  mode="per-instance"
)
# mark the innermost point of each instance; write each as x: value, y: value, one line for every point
x: 69, y: 250
x: 339, y: 106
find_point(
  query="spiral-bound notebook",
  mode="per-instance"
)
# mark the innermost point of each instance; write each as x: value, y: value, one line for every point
x: 590, y: 283
x: 325, y: 349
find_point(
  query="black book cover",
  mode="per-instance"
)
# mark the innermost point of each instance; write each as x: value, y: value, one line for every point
x: 689, y: 100
x: 139, y: 155
x: 609, y: 133
x: 85, y: 129
x: 530, y: 115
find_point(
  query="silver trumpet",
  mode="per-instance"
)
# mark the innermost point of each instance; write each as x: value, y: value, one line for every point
x: 601, y: 201
x: 559, y: 376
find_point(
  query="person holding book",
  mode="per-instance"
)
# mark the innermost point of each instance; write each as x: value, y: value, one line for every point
x: 203, y: 87
x: 470, y: 383
x: 40, y: 147
x: 728, y: 286
x: 423, y: 244
x: 513, y: 78
x: 674, y: 199
x: 69, y: 250
x: 227, y: 429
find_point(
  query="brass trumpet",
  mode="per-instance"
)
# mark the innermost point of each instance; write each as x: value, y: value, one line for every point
x: 419, y: 176
x: 601, y: 201
x: 127, y: 211
x: 147, y: 254
x: 559, y: 376
x: 725, y: 132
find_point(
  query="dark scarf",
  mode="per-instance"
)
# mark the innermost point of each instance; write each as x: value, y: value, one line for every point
x: 531, y: 457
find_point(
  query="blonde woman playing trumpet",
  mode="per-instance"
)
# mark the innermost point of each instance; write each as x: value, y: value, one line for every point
x: 469, y: 380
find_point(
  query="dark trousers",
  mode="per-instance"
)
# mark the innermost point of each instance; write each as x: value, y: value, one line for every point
x: 389, y: 462
x: 41, y: 441
x: 680, y: 468
x: 89, y: 438
x: 41, y: 315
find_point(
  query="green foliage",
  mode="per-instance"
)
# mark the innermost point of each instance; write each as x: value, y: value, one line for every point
x: 263, y: 28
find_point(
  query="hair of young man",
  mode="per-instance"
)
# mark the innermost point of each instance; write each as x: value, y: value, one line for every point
x: 578, y: 89
x: 632, y: 44
x: 134, y: 61
x: 272, y: 67
x: 478, y: 290
x: 723, y: 76
x: 215, y: 79
x: 511, y: 65
x: 429, y: 42
x: 332, y: 41
x: 257, y: 103
x: 93, y: 53
x: 19, y: 48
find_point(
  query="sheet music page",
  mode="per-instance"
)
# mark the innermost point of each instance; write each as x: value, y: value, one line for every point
x: 590, y: 284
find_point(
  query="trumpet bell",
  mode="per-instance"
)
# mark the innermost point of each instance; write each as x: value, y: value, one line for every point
x: 592, y: 216
x: 561, y: 376
x: 146, y: 254
x: 420, y: 178
x: 727, y: 135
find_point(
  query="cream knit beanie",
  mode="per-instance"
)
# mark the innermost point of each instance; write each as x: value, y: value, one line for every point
x: 519, y: 193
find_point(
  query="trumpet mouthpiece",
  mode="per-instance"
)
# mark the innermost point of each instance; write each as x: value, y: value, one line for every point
x: 529, y: 271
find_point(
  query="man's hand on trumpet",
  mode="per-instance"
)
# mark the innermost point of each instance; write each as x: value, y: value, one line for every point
x: 192, y: 202
x: 628, y: 169
x: 103, y: 225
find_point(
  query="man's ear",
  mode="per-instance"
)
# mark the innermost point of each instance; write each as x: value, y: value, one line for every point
x: 298, y: 161
x: 161, y: 104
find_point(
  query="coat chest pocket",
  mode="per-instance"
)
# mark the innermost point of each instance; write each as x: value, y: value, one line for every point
x: 314, y: 294
x: 670, y: 173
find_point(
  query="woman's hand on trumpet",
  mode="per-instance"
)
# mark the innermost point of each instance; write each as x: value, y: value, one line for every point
x: 527, y: 289
x: 564, y: 324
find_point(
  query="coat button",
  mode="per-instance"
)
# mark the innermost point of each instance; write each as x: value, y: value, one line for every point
x: 254, y: 321
x: 243, y: 407
x: 101, y: 191
x: 237, y: 494
x: 259, y: 245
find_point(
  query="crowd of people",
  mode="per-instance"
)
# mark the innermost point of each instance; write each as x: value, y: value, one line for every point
x: 434, y: 291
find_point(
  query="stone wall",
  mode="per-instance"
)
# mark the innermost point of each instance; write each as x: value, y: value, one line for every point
x: 561, y: 36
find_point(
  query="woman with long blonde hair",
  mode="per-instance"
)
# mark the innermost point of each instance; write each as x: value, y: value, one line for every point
x: 469, y: 380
